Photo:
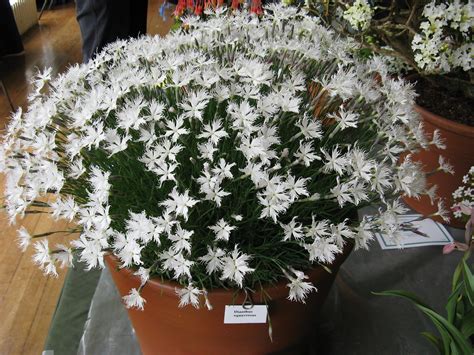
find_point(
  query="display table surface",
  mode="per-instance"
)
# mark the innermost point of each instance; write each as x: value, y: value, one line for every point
x: 354, y: 321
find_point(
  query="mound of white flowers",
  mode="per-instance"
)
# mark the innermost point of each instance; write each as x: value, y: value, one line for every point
x: 231, y: 153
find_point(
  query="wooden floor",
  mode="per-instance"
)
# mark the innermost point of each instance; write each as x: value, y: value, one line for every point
x: 27, y: 298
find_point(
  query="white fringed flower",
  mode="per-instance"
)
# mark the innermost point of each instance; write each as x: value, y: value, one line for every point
x: 322, y: 250
x: 310, y: 129
x: 445, y: 166
x: 213, y: 259
x: 318, y: 228
x: 195, y: 104
x: 181, y: 240
x: 222, y: 230
x: 115, y: 142
x: 140, y: 227
x: 63, y: 255
x: 179, y: 204
x: 335, y: 161
x: 65, y: 208
x: 296, y: 187
x: 306, y: 154
x: 24, y: 238
x: 437, y: 140
x: 299, y: 289
x: 175, y: 129
x: 156, y: 109
x: 143, y: 274
x: 365, y: 234
x: 292, y: 230
x: 134, y: 300
x: 346, y: 119
x: 213, y: 132
x: 167, y: 150
x: 177, y: 263
x: 235, y: 266
x: 43, y: 258
x: 223, y: 169
x: 131, y: 252
x: 442, y: 211
x: 189, y: 295
x: 91, y: 252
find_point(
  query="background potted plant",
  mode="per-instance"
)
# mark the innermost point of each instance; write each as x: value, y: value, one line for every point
x: 197, y: 165
x: 431, y: 43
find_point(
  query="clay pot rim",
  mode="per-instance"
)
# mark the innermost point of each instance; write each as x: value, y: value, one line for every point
x: 444, y: 123
x: 277, y: 290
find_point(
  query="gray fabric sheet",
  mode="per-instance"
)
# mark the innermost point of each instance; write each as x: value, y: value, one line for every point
x: 108, y: 329
x: 72, y: 310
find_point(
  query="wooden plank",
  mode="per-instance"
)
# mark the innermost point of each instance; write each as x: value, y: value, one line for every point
x: 36, y: 336
x: 24, y: 293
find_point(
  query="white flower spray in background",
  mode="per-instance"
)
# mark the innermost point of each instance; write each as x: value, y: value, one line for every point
x: 463, y: 209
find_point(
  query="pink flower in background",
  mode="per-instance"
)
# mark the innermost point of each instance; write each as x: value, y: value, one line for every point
x: 448, y: 248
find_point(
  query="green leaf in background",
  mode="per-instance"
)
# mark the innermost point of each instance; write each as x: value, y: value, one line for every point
x: 467, y: 325
x: 454, y: 350
x: 468, y: 282
x: 451, y: 306
x: 456, y: 276
x: 403, y: 294
x: 458, y: 271
x: 434, y: 340
x: 464, y: 346
x: 446, y: 338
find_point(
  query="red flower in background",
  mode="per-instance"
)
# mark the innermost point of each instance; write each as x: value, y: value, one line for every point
x: 256, y: 7
x: 197, y: 7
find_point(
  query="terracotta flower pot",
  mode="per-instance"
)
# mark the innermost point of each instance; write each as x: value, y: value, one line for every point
x: 459, y: 140
x: 164, y: 328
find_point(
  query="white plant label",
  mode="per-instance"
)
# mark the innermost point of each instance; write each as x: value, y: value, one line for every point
x: 245, y: 315
x: 433, y: 233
